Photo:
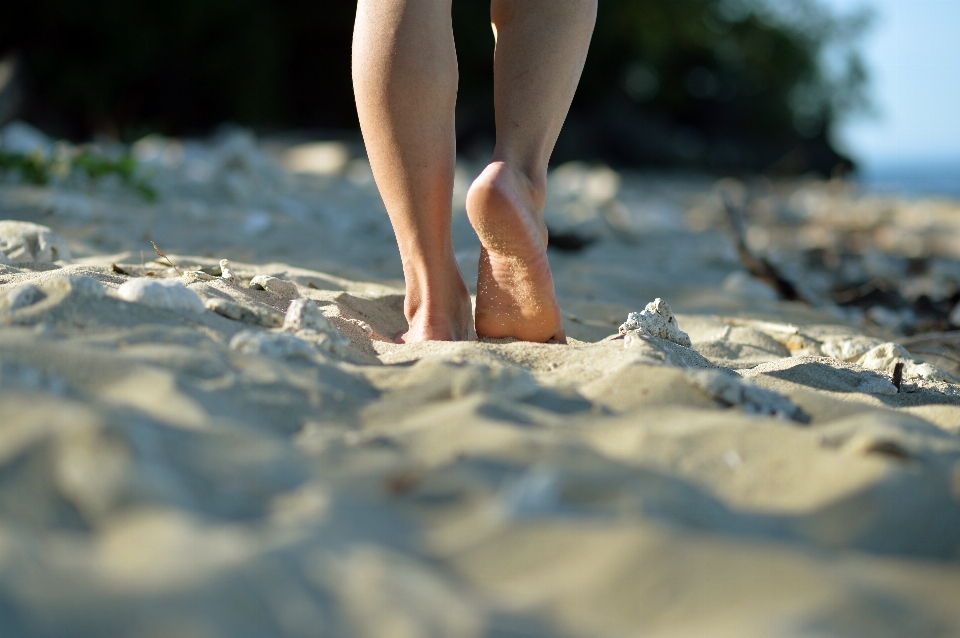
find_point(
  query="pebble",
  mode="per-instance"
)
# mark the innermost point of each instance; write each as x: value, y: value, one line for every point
x: 871, y: 383
x: 24, y: 242
x: 734, y: 391
x: 305, y: 319
x: 656, y: 320
x: 226, y: 272
x: 161, y: 293
x: 848, y: 348
x: 273, y: 284
x: 886, y: 356
x: 304, y: 314
x: 278, y: 345
x: 253, y: 315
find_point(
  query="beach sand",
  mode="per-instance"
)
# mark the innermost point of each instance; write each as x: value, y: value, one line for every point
x: 175, y: 461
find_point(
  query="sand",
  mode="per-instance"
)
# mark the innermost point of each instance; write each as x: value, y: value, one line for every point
x: 175, y: 469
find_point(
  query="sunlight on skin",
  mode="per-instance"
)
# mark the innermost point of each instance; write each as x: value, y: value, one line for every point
x: 405, y: 79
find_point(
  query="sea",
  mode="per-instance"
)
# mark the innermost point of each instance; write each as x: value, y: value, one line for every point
x: 912, y: 179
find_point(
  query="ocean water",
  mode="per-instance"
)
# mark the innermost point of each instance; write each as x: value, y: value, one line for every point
x: 932, y: 178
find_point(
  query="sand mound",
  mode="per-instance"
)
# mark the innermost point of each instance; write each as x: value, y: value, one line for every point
x: 240, y: 449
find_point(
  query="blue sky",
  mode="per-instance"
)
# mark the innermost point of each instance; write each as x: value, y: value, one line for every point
x: 913, y: 53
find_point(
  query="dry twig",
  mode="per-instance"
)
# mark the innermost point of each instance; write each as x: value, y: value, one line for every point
x: 160, y: 252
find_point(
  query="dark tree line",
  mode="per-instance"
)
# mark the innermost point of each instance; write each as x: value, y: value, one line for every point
x: 723, y: 84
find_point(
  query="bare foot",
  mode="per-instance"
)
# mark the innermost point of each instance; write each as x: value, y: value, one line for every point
x: 440, y: 311
x: 515, y: 295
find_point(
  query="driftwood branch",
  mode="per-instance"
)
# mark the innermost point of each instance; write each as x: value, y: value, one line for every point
x: 755, y: 264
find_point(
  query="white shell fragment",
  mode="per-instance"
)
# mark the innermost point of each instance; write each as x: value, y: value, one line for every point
x: 307, y: 322
x: 848, y: 348
x: 23, y: 243
x: 731, y: 390
x: 278, y: 345
x: 656, y: 320
x: 267, y: 318
x: 273, y: 284
x: 161, y: 293
x: 226, y: 272
x: 886, y: 356
x: 304, y: 314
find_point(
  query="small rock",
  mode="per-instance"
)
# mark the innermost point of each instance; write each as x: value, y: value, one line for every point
x: 848, y: 348
x: 305, y: 319
x: 733, y: 391
x: 656, y: 320
x: 255, y: 315
x: 23, y: 243
x: 303, y: 314
x: 280, y: 286
x: 886, y: 356
x: 278, y: 345
x: 875, y: 384
x: 161, y: 293
x: 23, y: 296
x: 226, y: 272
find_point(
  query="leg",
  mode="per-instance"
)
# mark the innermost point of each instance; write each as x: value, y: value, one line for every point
x: 541, y: 49
x: 405, y: 80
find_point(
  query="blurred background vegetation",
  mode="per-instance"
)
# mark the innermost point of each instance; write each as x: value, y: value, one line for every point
x: 724, y: 85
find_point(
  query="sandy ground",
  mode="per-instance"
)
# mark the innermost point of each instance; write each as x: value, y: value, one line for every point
x: 188, y: 461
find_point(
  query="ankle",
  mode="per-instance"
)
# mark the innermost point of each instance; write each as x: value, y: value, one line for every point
x: 438, y: 312
x: 434, y: 291
x: 532, y: 177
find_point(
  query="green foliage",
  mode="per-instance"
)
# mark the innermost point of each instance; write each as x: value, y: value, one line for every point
x: 36, y: 169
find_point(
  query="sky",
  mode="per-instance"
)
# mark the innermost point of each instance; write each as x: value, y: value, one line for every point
x: 913, y: 54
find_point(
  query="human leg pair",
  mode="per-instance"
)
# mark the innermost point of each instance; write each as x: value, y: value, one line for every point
x: 405, y: 79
